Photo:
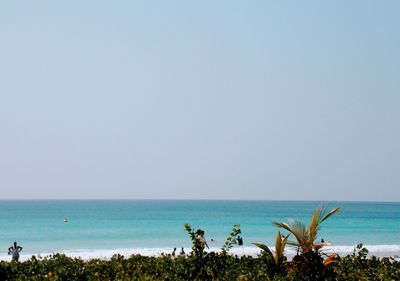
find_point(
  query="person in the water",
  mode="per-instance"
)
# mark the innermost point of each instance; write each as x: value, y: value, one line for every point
x: 202, y: 239
x: 14, y: 251
x: 240, y: 241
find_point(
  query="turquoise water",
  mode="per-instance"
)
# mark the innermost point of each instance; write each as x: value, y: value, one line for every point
x: 116, y: 224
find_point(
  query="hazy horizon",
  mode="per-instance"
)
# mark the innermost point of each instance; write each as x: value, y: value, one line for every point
x: 214, y: 100
x: 198, y: 199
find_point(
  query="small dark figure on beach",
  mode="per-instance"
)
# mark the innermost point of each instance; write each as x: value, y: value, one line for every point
x: 182, y: 253
x: 173, y: 252
x: 240, y: 241
x: 14, y: 251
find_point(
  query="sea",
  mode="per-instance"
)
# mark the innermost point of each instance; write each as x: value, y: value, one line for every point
x: 102, y: 228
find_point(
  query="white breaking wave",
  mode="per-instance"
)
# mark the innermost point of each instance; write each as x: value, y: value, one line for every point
x: 86, y: 254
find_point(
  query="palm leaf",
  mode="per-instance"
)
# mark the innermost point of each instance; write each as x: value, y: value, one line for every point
x: 297, y: 228
x: 280, y: 245
x: 330, y: 259
x: 293, y: 244
x: 319, y: 215
x: 265, y: 249
x: 334, y: 211
x: 304, y: 235
x: 314, y: 224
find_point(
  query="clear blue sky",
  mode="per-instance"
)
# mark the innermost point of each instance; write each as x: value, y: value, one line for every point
x: 201, y: 100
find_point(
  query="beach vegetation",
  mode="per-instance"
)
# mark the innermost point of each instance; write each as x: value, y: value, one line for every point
x: 275, y: 259
x: 232, y: 239
x: 306, y: 235
x: 216, y: 266
x: 309, y: 260
x: 203, y: 265
x: 197, y: 244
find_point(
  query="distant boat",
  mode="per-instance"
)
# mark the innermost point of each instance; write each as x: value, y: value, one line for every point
x: 65, y: 219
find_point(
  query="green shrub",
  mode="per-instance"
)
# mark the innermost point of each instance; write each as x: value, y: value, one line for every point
x: 213, y: 266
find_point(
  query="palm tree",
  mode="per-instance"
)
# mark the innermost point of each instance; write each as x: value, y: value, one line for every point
x: 306, y: 235
x: 278, y: 255
x: 309, y: 262
x: 275, y: 259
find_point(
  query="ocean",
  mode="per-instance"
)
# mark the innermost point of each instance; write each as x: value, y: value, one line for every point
x: 101, y: 228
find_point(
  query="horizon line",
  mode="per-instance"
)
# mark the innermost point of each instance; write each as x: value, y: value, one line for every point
x: 191, y: 199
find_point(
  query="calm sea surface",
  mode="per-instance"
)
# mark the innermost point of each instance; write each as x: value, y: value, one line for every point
x: 133, y: 224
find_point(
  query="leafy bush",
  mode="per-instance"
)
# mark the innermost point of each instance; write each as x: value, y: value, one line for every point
x: 214, y: 266
x: 358, y: 266
x: 232, y: 239
x: 275, y: 261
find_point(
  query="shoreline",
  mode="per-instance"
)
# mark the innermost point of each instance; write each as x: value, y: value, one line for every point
x: 106, y: 254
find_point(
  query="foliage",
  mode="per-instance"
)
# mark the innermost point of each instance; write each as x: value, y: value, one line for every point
x: 306, y: 236
x: 60, y: 267
x: 197, y: 246
x: 199, y: 258
x: 215, y: 267
x: 310, y: 261
x: 231, y: 240
x: 275, y: 260
x: 358, y: 266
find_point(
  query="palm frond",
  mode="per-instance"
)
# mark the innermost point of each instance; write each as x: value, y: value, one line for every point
x: 299, y: 231
x: 266, y: 249
x: 318, y: 246
x: 319, y: 215
x: 306, y: 235
x: 293, y: 244
x: 280, y: 245
x: 330, y: 259
x: 314, y: 223
x: 334, y: 211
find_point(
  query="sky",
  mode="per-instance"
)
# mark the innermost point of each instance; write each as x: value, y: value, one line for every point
x: 269, y: 100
